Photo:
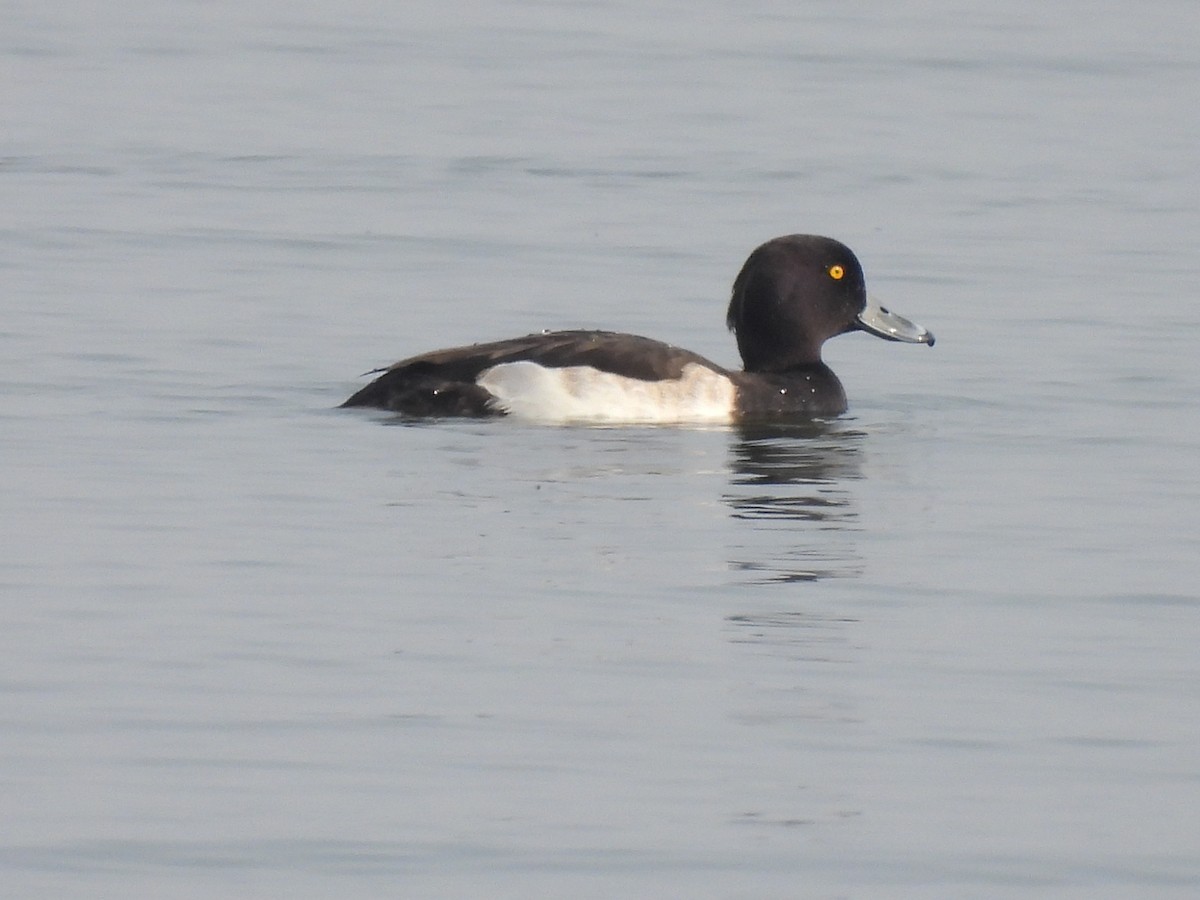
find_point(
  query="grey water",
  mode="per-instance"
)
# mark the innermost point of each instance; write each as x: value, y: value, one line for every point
x: 255, y: 646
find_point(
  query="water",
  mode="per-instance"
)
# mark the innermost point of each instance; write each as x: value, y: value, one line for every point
x: 944, y: 646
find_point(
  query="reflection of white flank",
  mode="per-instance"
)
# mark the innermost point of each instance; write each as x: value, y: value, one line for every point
x: 584, y: 394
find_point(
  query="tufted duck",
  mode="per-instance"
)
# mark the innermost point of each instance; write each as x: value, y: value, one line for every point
x: 792, y: 294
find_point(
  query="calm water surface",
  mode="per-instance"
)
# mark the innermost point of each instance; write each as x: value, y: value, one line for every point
x: 944, y: 646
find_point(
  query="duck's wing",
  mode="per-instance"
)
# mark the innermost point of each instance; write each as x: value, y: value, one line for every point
x: 444, y: 382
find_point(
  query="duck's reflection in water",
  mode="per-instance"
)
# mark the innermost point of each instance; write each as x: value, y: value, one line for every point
x: 790, y: 492
x: 790, y: 484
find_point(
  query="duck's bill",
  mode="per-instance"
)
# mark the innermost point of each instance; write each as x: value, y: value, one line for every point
x: 889, y: 326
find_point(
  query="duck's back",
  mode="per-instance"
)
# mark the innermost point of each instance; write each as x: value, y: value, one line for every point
x: 456, y: 381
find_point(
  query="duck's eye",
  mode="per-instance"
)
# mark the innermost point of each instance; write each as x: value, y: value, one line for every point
x: 836, y: 272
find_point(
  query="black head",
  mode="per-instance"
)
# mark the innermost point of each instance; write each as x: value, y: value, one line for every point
x: 793, y: 293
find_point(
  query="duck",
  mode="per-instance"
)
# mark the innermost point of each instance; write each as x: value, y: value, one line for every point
x: 792, y: 294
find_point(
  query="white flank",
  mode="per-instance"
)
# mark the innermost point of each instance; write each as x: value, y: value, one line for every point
x: 584, y: 394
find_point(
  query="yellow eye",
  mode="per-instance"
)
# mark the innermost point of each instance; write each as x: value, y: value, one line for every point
x: 836, y: 272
